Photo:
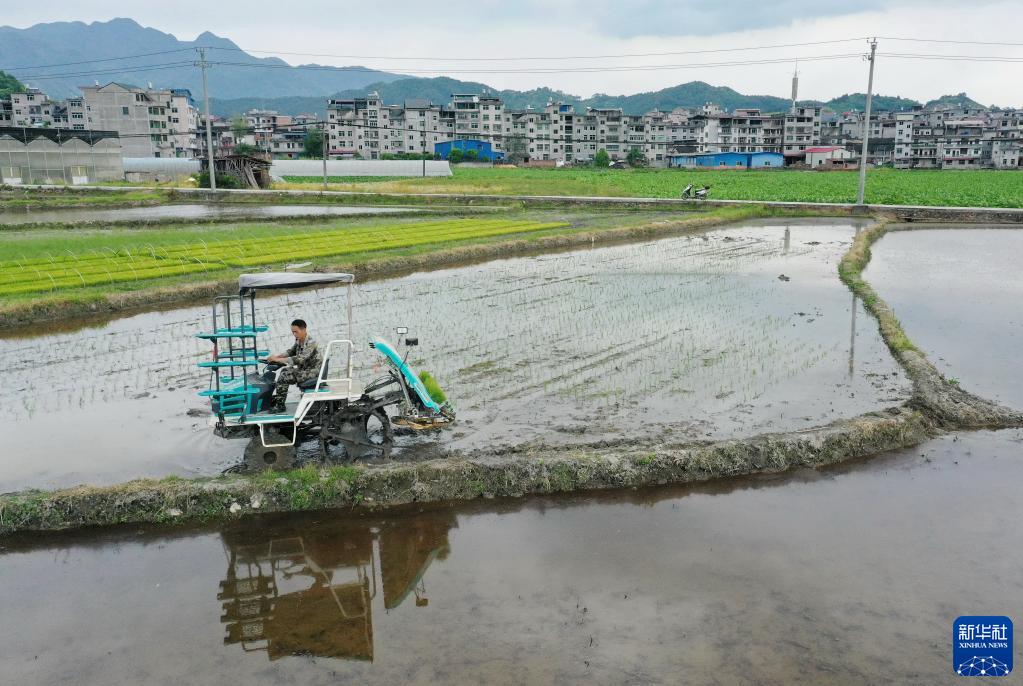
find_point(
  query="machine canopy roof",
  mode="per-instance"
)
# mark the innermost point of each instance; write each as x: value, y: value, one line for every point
x: 270, y: 280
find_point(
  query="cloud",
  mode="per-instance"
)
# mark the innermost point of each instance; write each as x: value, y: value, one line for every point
x: 530, y: 28
x: 664, y: 18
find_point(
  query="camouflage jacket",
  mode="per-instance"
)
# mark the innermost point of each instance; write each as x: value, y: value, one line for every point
x: 304, y: 356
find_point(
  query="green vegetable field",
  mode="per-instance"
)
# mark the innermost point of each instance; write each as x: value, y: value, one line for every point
x: 986, y: 188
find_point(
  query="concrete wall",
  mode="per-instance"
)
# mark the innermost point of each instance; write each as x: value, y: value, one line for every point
x: 314, y: 168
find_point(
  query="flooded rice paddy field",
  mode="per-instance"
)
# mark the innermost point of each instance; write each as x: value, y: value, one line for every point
x: 847, y: 575
x: 184, y: 211
x: 731, y: 332
x: 959, y: 296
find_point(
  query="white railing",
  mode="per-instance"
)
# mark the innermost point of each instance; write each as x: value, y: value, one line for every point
x: 322, y: 379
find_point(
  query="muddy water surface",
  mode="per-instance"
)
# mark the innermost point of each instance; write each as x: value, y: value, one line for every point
x: 851, y: 575
x: 959, y: 296
x: 731, y: 332
x: 185, y: 212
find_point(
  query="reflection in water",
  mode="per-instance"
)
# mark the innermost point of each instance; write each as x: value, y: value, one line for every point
x: 845, y: 575
x: 957, y: 290
x: 311, y: 591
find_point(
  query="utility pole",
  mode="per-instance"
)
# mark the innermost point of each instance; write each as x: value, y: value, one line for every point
x: 866, y: 123
x: 202, y: 64
x: 323, y: 127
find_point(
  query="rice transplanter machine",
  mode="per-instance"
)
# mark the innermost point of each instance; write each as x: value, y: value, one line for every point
x: 351, y: 421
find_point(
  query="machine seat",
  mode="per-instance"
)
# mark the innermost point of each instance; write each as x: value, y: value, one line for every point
x: 310, y: 384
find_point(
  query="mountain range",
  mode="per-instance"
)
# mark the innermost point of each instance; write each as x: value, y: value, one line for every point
x: 60, y: 56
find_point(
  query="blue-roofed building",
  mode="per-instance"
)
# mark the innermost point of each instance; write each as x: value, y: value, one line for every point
x: 484, y: 150
x: 728, y: 160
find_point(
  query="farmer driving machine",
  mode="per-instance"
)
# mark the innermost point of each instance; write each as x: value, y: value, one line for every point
x: 351, y: 421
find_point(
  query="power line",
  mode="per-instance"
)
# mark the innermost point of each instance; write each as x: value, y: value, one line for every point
x: 105, y: 59
x: 441, y: 70
x: 532, y: 70
x: 547, y: 58
x: 954, y: 58
x: 531, y: 58
x: 105, y: 72
x: 448, y: 58
x: 554, y: 70
x: 953, y: 42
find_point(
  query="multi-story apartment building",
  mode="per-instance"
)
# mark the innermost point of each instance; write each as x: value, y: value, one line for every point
x: 478, y: 117
x: 1004, y: 147
x: 140, y: 115
x: 31, y: 108
x: 264, y: 125
x: 801, y: 129
x: 354, y: 126
x: 958, y: 138
x: 363, y: 127
x: 938, y: 138
x: 73, y: 114
x: 287, y: 143
x: 183, y: 123
x: 223, y: 136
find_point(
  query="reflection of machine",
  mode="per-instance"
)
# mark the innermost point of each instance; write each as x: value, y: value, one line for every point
x: 311, y: 592
x: 348, y: 418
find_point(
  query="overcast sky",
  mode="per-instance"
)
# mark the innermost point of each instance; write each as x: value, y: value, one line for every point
x: 561, y: 28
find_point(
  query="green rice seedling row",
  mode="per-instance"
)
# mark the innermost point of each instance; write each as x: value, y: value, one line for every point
x: 68, y: 270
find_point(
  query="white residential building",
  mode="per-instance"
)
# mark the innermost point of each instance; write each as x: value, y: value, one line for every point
x: 183, y: 123
x: 31, y: 108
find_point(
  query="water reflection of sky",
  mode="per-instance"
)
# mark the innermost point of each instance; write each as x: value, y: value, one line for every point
x: 958, y: 294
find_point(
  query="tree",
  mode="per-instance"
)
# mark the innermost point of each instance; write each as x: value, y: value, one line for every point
x: 455, y: 156
x: 9, y: 84
x: 245, y: 149
x: 635, y: 157
x: 313, y: 144
x: 601, y: 159
x: 240, y: 129
x: 471, y: 155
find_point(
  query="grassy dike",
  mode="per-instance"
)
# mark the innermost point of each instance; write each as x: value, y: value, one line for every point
x: 948, y: 404
x: 373, y: 264
x: 936, y: 405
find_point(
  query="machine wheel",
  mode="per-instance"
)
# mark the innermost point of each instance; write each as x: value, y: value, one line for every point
x: 353, y: 434
x: 259, y: 457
